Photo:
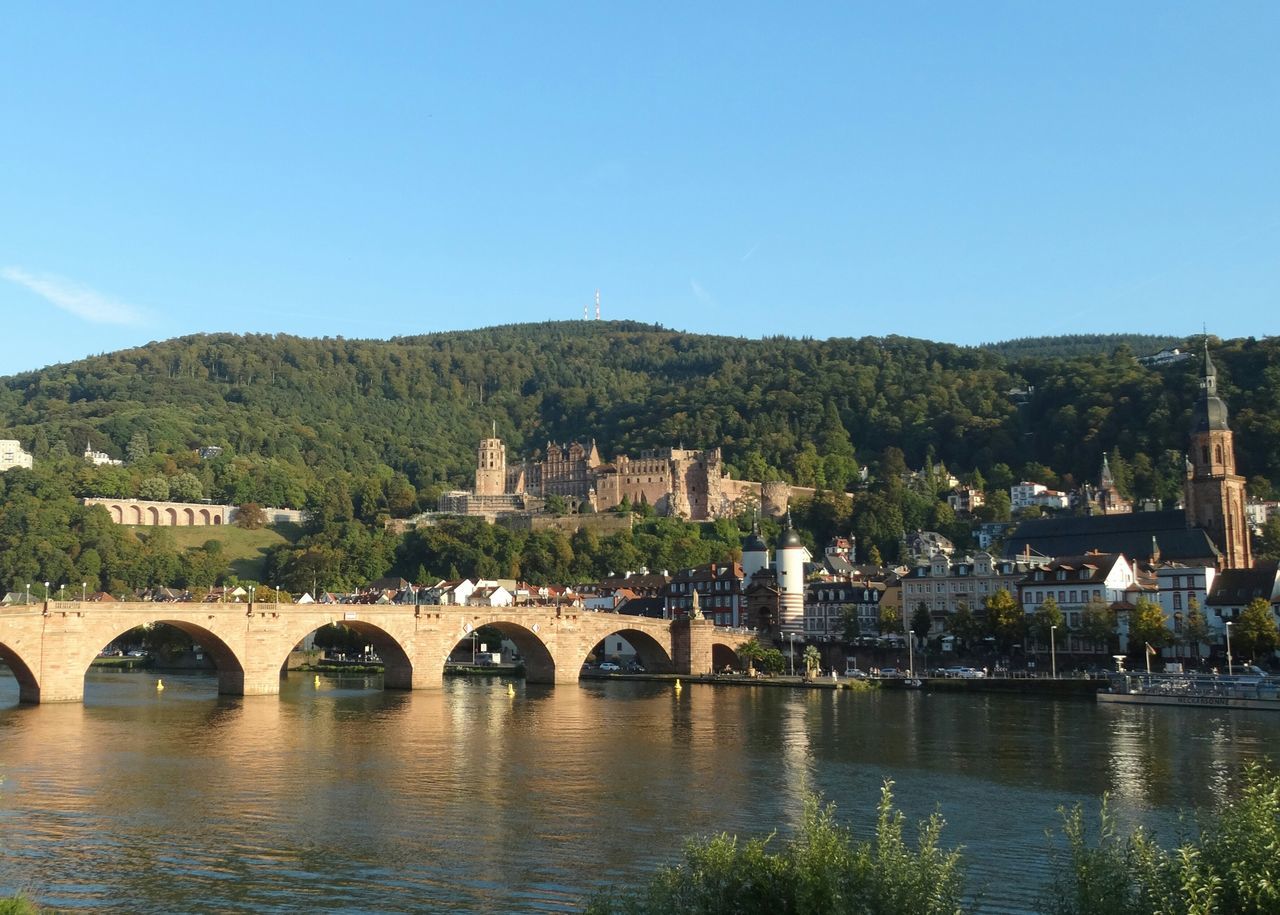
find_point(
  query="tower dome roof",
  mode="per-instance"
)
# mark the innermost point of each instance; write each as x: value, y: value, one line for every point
x: 755, y: 544
x: 1211, y: 414
x: 789, y: 539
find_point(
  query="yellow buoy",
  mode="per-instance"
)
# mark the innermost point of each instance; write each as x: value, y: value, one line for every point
x: 159, y: 684
x: 317, y: 681
x: 678, y: 686
x: 511, y: 690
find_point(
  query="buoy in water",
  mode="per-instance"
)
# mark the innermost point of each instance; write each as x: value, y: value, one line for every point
x: 678, y: 686
x: 159, y: 685
x: 511, y: 690
x: 317, y: 681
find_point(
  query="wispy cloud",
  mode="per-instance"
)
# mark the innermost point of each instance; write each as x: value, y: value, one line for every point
x: 75, y: 298
x: 752, y: 253
x: 701, y: 293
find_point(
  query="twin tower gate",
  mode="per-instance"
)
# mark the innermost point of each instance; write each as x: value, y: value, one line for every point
x: 49, y: 646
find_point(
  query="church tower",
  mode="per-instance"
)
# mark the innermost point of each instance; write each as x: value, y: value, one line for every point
x: 491, y: 467
x: 1214, y: 492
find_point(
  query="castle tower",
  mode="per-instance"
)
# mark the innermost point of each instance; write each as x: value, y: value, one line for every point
x: 791, y: 557
x: 491, y: 467
x: 1214, y: 492
x: 755, y: 553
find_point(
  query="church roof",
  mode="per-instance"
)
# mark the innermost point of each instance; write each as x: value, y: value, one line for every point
x: 1128, y: 533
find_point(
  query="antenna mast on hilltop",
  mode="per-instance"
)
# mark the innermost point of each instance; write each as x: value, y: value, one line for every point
x: 597, y: 304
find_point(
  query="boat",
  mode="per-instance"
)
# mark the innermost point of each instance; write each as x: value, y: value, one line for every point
x: 1194, y: 691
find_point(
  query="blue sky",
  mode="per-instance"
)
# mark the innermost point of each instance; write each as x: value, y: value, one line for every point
x: 962, y: 172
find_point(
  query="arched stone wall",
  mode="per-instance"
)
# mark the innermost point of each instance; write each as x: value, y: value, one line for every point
x: 539, y: 663
x: 649, y: 651
x: 153, y: 516
x: 723, y: 656
x: 136, y: 512
x: 398, y: 665
x: 28, y: 685
x: 171, y: 517
x: 189, y: 517
x: 117, y: 514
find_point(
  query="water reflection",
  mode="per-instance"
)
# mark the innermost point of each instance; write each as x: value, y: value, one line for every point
x: 339, y: 795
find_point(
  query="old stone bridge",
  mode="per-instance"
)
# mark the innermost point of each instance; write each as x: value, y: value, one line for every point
x: 49, y: 646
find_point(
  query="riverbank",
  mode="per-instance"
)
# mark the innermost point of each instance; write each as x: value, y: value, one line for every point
x: 1043, y: 687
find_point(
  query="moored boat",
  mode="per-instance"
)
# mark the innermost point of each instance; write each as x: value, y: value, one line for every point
x: 1194, y: 691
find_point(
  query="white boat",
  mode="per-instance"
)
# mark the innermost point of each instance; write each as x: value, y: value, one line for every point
x: 1194, y: 691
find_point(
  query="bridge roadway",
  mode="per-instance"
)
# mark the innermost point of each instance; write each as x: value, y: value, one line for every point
x: 49, y: 646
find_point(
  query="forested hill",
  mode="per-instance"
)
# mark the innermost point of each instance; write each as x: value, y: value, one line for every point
x: 1072, y: 345
x: 292, y: 412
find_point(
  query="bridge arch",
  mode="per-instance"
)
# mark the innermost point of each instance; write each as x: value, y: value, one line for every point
x: 28, y: 685
x: 230, y: 667
x: 724, y: 655
x: 398, y: 666
x: 651, y: 653
x: 539, y: 663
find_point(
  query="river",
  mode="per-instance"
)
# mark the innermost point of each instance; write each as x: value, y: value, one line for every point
x: 339, y: 796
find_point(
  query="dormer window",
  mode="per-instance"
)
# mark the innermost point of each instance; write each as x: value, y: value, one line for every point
x: 1062, y: 575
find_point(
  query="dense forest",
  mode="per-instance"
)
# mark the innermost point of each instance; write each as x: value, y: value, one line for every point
x: 360, y: 430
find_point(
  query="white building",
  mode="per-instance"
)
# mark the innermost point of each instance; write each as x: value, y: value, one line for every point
x: 12, y: 455
x: 100, y: 458
x: 1176, y: 587
x: 1023, y: 495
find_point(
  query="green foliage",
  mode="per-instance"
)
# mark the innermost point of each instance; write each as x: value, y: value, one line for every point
x: 1255, y: 632
x: 1046, y: 617
x: 1147, y: 627
x: 824, y: 870
x: 1232, y: 865
x: 921, y: 621
x: 1006, y: 621
x: 18, y: 905
x: 812, y: 659
x: 251, y: 517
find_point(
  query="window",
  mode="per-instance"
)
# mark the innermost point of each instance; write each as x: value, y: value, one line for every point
x: 1097, y: 595
x: 1073, y: 597
x: 1177, y: 582
x: 1177, y: 601
x: 1062, y: 597
x: 1062, y: 575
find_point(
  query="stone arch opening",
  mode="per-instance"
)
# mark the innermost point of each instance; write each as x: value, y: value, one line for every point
x: 217, y: 518
x: 188, y: 517
x: 171, y: 517
x: 28, y: 686
x: 204, y: 516
x: 632, y: 649
x: 153, y: 516
x: 117, y: 514
x: 136, y: 514
x: 344, y: 642
x: 167, y: 650
x: 723, y: 656
x: 529, y: 649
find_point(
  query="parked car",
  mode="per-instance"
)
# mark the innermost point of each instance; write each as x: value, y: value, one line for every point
x: 635, y: 667
x: 610, y: 666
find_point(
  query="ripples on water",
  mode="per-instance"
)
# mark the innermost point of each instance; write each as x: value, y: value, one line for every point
x: 343, y: 797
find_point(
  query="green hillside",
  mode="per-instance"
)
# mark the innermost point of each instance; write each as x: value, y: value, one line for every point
x: 244, y: 551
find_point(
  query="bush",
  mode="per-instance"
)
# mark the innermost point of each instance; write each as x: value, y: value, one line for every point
x: 822, y: 871
x: 1232, y: 865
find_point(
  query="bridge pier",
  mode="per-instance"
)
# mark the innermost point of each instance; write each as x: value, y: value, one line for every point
x: 691, y: 646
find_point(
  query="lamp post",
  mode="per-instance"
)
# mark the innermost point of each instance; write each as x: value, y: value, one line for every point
x: 84, y: 586
x: 46, y: 592
x: 28, y: 600
x: 473, y: 648
x: 1053, y: 652
x: 1230, y: 669
x: 62, y: 591
x: 252, y: 590
x: 792, y: 657
x: 277, y: 594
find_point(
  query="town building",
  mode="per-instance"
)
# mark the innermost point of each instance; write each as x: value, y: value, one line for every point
x: 719, y: 590
x: 1074, y: 581
x: 828, y: 604
x: 100, y: 458
x: 12, y: 455
x: 943, y: 586
x: 965, y: 500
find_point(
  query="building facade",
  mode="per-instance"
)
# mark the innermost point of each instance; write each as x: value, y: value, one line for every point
x: 12, y: 455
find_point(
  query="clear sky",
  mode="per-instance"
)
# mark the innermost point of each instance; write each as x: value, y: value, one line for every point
x: 956, y: 171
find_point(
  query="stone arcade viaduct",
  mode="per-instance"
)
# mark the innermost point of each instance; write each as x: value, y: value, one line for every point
x: 49, y: 646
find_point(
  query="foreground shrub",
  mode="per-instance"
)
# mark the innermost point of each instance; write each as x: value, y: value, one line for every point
x: 824, y: 870
x: 1231, y: 866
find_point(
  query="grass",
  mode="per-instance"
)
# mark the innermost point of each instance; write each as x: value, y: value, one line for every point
x: 245, y: 550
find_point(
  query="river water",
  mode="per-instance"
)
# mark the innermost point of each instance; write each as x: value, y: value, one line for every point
x: 338, y: 796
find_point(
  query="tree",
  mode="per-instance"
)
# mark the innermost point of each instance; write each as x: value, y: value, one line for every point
x: 1195, y: 629
x: 890, y: 619
x: 1005, y: 619
x: 186, y: 487
x: 1147, y: 627
x: 874, y: 557
x: 850, y: 626
x: 1269, y: 541
x: 812, y: 659
x: 1047, y: 616
x: 749, y: 653
x: 773, y: 661
x: 921, y: 621
x: 154, y: 489
x: 1097, y: 623
x: 1255, y: 631
x: 251, y: 516
x: 963, y: 625
x: 138, y: 448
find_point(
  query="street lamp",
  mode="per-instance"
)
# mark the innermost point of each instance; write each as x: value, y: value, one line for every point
x: 277, y: 594
x: 46, y: 592
x: 1053, y: 652
x: 28, y: 600
x: 84, y: 585
x: 1230, y: 669
x: 62, y: 591
x: 252, y: 590
x: 793, y: 653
